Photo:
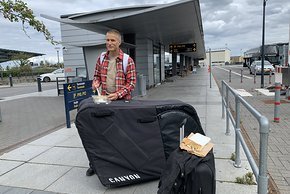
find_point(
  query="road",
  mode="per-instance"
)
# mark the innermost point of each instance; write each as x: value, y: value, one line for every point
x: 248, y: 80
x: 29, y: 117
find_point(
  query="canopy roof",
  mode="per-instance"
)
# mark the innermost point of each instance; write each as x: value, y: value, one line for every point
x: 174, y: 23
x: 7, y: 55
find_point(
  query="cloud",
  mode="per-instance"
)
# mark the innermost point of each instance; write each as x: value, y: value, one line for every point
x: 235, y: 23
x: 238, y: 24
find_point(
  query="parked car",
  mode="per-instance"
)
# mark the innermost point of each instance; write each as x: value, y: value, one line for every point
x: 168, y: 69
x: 256, y: 66
x: 47, y: 77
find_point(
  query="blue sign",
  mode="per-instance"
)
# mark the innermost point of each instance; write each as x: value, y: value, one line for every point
x: 74, y: 93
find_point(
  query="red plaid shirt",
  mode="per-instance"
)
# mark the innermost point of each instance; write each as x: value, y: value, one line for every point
x: 125, y: 83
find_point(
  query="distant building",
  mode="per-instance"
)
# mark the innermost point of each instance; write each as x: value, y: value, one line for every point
x: 218, y: 57
x: 237, y: 59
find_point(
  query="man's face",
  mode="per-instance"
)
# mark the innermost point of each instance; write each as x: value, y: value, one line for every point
x: 112, y: 42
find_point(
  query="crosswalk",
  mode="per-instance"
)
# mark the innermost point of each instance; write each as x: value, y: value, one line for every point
x: 244, y: 93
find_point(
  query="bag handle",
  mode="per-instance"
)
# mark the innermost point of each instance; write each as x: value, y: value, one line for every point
x: 102, y: 113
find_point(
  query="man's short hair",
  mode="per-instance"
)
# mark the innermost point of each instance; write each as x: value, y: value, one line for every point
x: 114, y: 31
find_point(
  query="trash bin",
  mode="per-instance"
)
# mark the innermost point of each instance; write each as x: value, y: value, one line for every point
x: 142, y: 85
x: 286, y: 76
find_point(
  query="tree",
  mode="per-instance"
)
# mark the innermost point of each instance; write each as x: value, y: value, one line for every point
x: 18, y: 11
x: 21, y: 59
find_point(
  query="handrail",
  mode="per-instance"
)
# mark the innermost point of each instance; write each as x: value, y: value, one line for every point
x: 0, y: 115
x: 260, y: 171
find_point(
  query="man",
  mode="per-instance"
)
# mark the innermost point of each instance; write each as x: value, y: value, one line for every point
x: 115, y: 81
x: 109, y: 73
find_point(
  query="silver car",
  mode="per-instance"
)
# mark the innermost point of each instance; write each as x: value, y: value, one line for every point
x: 256, y: 66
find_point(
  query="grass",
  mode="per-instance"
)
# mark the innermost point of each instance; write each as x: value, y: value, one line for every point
x: 247, y: 179
x: 233, y: 157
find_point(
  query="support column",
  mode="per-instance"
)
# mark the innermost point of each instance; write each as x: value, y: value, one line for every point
x: 181, y: 64
x: 195, y: 62
x: 174, y: 63
x: 186, y: 62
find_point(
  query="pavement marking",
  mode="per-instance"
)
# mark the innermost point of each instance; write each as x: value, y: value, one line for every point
x: 44, y: 93
x: 233, y: 72
x: 265, y: 92
x: 243, y: 92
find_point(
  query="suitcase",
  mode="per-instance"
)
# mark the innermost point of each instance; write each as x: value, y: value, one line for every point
x: 128, y: 142
x: 188, y: 174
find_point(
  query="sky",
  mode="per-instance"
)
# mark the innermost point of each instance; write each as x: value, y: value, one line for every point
x: 235, y: 24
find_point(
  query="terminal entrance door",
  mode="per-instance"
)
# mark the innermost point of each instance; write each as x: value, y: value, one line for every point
x: 156, y: 64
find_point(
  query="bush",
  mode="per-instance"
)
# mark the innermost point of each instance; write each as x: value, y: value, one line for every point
x: 26, y: 71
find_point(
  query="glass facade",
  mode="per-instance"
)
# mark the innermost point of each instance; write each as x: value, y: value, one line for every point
x: 156, y: 64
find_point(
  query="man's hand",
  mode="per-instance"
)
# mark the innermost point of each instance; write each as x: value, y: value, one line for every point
x: 95, y: 84
x: 113, y: 96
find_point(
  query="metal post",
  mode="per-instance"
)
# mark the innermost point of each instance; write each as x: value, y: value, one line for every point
x: 230, y: 75
x: 223, y: 105
x: 181, y: 134
x: 241, y: 76
x: 0, y: 115
x: 209, y: 68
x: 57, y: 54
x: 237, y: 163
x: 255, y: 74
x: 264, y: 134
x: 227, y: 112
x: 263, y: 45
x: 39, y: 83
x: 270, y: 77
x: 277, y: 102
x: 11, y: 80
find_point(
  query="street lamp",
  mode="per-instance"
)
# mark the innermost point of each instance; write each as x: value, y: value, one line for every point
x: 57, y: 53
x: 209, y: 53
x: 263, y: 45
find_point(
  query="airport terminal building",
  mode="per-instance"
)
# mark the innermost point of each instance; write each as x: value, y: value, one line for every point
x: 148, y: 31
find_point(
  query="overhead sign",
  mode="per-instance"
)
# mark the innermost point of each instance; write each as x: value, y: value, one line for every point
x: 74, y: 93
x: 182, y: 48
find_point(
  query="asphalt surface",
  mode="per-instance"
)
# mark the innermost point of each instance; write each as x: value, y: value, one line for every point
x: 24, y: 119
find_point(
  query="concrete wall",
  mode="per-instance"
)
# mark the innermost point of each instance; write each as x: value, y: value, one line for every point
x: 91, y: 56
x: 144, y: 59
x: 72, y: 39
x: 76, y: 54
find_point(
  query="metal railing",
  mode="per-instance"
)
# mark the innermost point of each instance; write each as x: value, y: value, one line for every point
x: 260, y: 171
x: 0, y: 115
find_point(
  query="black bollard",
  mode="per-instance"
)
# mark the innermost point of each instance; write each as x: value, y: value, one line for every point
x: 10, y: 80
x: 39, y: 83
